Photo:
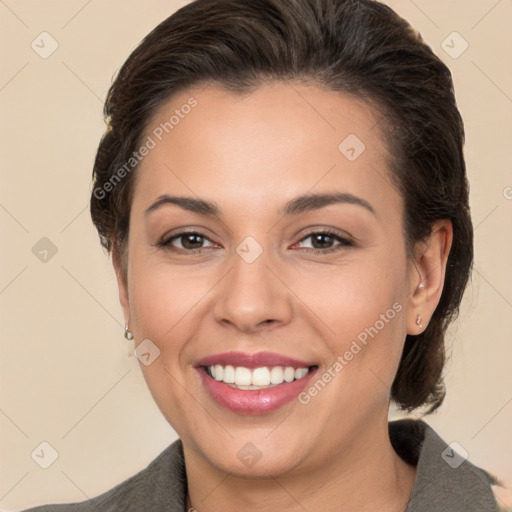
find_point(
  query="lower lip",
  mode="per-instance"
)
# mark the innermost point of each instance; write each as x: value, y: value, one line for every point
x: 254, y: 401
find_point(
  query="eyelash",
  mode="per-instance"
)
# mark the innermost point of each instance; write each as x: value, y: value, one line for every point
x: 166, y: 243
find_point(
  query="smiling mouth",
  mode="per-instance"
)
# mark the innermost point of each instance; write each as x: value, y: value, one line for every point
x: 264, y: 377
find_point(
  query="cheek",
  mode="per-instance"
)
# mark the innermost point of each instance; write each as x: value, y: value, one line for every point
x: 362, y: 307
x: 352, y: 296
x: 166, y: 306
x: 165, y: 300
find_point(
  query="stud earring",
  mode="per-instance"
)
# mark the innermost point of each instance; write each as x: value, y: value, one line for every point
x: 420, y: 286
x: 127, y: 334
x: 418, y: 321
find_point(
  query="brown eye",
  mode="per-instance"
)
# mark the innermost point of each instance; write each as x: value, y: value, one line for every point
x: 186, y: 241
x: 323, y: 241
x: 191, y: 241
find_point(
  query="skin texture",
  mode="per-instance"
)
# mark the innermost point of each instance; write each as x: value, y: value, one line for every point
x: 250, y: 154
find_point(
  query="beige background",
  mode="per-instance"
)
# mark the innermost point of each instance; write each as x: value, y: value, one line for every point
x: 67, y: 375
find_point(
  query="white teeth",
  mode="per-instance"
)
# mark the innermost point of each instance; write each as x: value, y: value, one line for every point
x: 261, y: 376
x: 277, y: 375
x: 242, y: 376
x: 219, y: 372
x: 245, y: 378
x: 229, y: 375
x: 289, y: 374
x: 300, y: 372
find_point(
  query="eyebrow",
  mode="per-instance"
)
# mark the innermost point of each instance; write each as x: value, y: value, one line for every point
x: 309, y: 202
x: 297, y: 205
x: 187, y: 203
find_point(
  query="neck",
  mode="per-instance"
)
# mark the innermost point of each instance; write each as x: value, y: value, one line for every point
x: 366, y: 476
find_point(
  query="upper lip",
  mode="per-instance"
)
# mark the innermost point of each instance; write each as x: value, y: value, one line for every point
x: 256, y: 360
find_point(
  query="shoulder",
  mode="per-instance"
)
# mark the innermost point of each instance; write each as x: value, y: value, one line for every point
x: 161, y: 485
x: 445, y: 480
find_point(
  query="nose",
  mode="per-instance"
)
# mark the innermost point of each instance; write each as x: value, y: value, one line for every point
x: 253, y: 296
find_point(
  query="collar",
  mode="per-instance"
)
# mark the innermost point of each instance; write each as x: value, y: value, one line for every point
x: 445, y: 481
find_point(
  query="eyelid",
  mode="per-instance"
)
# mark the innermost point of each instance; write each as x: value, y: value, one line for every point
x: 165, y: 240
x: 327, y: 231
x: 345, y: 240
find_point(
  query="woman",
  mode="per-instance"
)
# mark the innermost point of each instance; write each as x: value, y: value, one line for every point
x: 283, y: 191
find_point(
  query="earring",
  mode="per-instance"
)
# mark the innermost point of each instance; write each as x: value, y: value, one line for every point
x: 420, y: 286
x: 127, y: 334
x: 418, y: 321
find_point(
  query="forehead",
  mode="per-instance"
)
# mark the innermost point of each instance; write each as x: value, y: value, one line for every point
x: 259, y: 148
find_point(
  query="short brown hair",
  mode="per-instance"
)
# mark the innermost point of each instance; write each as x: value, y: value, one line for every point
x: 360, y: 47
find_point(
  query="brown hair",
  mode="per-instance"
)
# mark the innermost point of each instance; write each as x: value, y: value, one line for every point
x: 360, y: 47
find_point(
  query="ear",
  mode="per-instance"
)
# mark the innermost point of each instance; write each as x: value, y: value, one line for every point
x: 426, y: 276
x: 122, y: 284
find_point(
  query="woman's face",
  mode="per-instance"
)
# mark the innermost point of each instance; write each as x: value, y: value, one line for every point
x: 255, y: 284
